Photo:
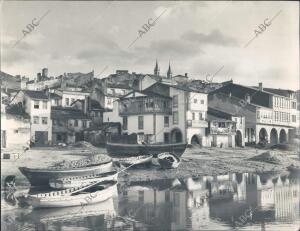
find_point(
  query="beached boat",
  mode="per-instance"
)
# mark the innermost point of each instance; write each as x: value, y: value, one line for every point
x: 41, y: 176
x: 135, y: 160
x: 91, y: 194
x: 168, y: 160
x: 72, y: 214
x: 78, y: 181
x: 119, y: 149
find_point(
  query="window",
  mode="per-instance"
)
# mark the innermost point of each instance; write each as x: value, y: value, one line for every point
x: 67, y: 101
x: 165, y: 104
x: 36, y: 104
x: 294, y: 105
x: 75, y: 123
x: 166, y: 121
x: 258, y: 116
x: 193, y: 116
x: 35, y: 119
x: 175, y: 101
x: 125, y: 122
x: 141, y: 122
x: 84, y: 123
x: 72, y: 100
x: 108, y: 101
x: 175, y: 117
x: 44, y: 120
x: 195, y: 100
x: 56, y: 101
x: 200, y: 116
x: 45, y: 104
x: 293, y: 118
x: 16, y: 131
x: 166, y: 137
x: 202, y: 101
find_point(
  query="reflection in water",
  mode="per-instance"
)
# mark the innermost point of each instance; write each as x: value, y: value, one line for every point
x: 244, y: 201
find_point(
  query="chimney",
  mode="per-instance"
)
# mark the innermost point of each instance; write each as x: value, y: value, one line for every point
x: 260, y: 86
x: 39, y: 77
x: 186, y: 74
x: 45, y: 72
x: 247, y: 98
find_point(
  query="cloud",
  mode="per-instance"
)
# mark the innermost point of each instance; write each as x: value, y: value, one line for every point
x: 214, y: 37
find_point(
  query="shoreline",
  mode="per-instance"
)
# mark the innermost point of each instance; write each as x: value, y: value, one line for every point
x: 195, y: 162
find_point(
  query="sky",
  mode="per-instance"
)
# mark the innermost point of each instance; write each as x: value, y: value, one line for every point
x: 198, y: 38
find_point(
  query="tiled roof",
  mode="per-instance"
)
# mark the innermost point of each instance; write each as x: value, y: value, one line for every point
x: 219, y: 113
x: 67, y: 113
x: 55, y: 96
x: 36, y: 94
x: 96, y: 105
x: 282, y: 92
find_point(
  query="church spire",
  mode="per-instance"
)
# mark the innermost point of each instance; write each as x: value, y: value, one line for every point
x: 169, y: 73
x: 156, y: 69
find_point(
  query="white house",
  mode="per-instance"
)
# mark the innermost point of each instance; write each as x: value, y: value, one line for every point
x: 37, y: 104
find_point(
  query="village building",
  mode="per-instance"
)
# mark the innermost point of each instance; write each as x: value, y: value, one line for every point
x: 68, y: 124
x: 71, y: 94
x: 161, y: 110
x: 90, y: 107
x: 270, y: 114
x: 37, y: 105
x: 225, y: 129
x: 15, y: 128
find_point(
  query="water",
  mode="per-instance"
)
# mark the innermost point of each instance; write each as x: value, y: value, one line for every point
x: 225, y: 202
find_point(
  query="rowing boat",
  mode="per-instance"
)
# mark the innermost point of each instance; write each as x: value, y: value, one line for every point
x: 78, y: 181
x: 41, y: 176
x: 93, y: 193
x: 168, y: 160
x: 120, y: 149
x: 135, y: 160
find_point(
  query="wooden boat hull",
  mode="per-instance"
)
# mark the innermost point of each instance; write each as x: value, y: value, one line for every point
x: 64, y: 183
x: 75, y: 200
x: 118, y: 149
x: 41, y: 177
x: 164, y: 163
x: 141, y: 160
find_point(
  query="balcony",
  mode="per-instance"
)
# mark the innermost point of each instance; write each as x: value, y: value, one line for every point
x: 197, y: 123
x: 145, y: 106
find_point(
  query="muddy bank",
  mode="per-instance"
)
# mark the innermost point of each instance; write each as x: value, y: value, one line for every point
x: 200, y: 162
x: 195, y: 162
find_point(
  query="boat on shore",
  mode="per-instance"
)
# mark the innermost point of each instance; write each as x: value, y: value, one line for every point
x: 96, y: 192
x: 121, y: 149
x: 41, y: 176
x: 79, y: 181
x: 168, y: 160
x: 135, y: 160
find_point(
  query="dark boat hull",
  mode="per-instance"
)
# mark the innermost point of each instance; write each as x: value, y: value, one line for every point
x: 118, y: 149
x: 41, y: 177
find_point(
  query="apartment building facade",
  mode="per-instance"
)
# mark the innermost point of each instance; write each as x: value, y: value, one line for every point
x: 270, y: 114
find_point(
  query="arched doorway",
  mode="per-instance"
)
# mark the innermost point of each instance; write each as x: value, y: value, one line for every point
x: 263, y: 136
x: 238, y: 139
x: 282, y: 136
x: 195, y: 140
x: 273, y: 137
x: 176, y: 135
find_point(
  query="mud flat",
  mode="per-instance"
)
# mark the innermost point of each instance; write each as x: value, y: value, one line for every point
x: 195, y: 162
x: 215, y: 161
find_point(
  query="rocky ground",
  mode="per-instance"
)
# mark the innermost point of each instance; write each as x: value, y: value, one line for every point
x: 195, y: 162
